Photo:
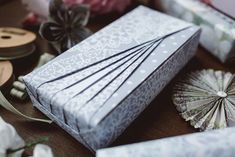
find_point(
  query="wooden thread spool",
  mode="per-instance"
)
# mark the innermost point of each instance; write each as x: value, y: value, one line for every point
x: 16, y: 43
x: 19, y: 88
x: 22, y: 95
x: 20, y: 78
x: 6, y: 74
x: 19, y: 85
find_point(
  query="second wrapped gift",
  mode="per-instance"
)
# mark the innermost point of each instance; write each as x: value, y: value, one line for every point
x: 97, y: 88
x: 219, y: 143
x: 218, y: 30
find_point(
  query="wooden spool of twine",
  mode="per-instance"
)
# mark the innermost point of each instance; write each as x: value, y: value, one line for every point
x: 16, y: 43
x: 6, y: 74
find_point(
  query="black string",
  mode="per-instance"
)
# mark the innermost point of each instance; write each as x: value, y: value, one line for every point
x: 63, y: 111
x: 138, y: 67
x: 77, y: 122
x: 122, y: 52
x: 120, y: 72
x: 129, y: 54
x: 99, y: 79
x: 109, y: 81
x: 76, y: 71
x: 128, y: 76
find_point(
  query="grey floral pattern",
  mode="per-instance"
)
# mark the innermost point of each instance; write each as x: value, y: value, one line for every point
x: 97, y: 117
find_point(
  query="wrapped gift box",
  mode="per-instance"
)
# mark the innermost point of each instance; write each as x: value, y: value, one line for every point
x: 97, y: 88
x: 226, y: 7
x: 204, y: 144
x: 218, y: 30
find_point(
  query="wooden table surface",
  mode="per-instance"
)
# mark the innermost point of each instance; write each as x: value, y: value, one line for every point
x: 159, y: 120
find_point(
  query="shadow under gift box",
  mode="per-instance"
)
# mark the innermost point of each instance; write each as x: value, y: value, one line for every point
x: 98, y: 87
x: 218, y: 30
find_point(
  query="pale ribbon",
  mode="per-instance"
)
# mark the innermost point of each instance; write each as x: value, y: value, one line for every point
x: 7, y: 105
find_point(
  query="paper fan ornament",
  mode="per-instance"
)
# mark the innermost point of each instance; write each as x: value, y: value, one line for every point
x: 207, y: 99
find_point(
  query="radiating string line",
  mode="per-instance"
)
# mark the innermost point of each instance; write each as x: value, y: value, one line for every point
x: 84, y: 104
x: 95, y: 63
x: 110, y: 57
x: 100, y: 78
x: 136, y: 69
x: 101, y: 69
x: 119, y: 73
x: 127, y: 77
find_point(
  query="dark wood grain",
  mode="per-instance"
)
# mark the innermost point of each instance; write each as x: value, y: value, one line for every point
x: 159, y: 120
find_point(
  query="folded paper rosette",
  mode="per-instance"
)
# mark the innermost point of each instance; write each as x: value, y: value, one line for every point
x: 98, y: 87
x: 215, y: 143
x: 218, y: 30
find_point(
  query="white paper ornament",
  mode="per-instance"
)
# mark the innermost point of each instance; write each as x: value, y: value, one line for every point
x: 207, y: 99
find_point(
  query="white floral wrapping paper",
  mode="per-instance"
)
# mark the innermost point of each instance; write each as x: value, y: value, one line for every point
x: 219, y: 143
x: 218, y: 30
x: 97, y: 88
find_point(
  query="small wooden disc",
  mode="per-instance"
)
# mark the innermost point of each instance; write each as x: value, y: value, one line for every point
x: 6, y: 72
x: 13, y: 37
